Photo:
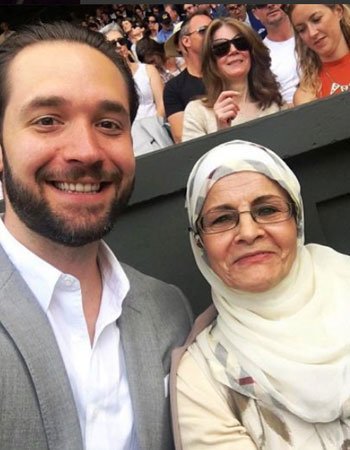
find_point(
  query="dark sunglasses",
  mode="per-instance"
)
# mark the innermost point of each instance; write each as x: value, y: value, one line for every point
x: 221, y: 47
x: 119, y: 41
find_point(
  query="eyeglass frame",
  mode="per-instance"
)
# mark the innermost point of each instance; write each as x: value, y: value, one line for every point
x: 292, y: 212
x: 200, y: 30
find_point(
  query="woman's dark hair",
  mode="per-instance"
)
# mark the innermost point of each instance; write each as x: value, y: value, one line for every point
x: 149, y: 47
x: 262, y: 84
x: 65, y: 32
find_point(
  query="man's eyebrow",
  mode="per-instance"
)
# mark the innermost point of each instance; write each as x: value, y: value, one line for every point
x: 42, y: 102
x: 103, y: 106
x: 106, y: 106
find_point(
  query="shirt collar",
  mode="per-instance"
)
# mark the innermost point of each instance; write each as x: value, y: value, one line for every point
x: 42, y: 277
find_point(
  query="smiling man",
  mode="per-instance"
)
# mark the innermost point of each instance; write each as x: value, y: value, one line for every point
x: 84, y: 341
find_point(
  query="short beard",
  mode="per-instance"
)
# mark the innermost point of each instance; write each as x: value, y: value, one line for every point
x: 36, y: 213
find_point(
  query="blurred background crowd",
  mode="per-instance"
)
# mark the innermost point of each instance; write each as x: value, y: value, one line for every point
x: 200, y: 68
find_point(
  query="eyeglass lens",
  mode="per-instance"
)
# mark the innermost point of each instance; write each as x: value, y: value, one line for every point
x: 222, y: 220
x: 221, y: 47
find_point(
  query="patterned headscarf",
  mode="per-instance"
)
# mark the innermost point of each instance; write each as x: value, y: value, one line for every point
x: 238, y: 156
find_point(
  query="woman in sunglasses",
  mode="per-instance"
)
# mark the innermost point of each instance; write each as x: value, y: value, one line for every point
x: 267, y: 366
x: 323, y: 45
x: 237, y: 77
x: 146, y: 77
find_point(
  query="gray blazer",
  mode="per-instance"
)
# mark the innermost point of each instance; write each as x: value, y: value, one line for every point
x: 37, y: 409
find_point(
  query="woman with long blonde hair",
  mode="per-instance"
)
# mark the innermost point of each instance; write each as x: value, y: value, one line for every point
x: 322, y: 34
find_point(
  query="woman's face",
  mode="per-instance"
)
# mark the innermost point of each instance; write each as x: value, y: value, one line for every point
x: 319, y: 28
x: 236, y: 64
x: 127, y: 26
x: 250, y: 257
x: 122, y: 50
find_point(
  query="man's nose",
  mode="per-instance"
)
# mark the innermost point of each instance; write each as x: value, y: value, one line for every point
x: 83, y: 144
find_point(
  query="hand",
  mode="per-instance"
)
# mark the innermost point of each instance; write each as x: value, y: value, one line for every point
x: 225, y: 108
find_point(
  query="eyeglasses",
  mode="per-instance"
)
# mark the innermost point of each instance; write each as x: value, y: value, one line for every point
x: 221, y: 47
x: 226, y: 219
x: 199, y: 30
x: 119, y: 41
x: 260, y: 6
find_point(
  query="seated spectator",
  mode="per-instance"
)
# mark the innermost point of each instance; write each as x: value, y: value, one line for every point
x: 281, y: 43
x: 323, y: 45
x: 146, y: 77
x: 237, y: 77
x: 239, y: 12
x: 166, y: 29
x: 190, y: 9
x: 139, y: 13
x: 173, y: 12
x: 150, y: 91
x: 151, y: 52
x: 187, y: 41
x: 127, y: 27
x: 152, y: 27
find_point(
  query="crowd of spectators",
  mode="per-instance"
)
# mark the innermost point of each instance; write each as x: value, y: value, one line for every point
x: 194, y: 77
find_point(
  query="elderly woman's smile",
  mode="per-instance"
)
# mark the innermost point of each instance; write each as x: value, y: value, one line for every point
x: 253, y: 256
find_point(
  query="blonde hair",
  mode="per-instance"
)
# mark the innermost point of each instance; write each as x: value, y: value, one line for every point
x: 309, y: 62
x: 262, y: 84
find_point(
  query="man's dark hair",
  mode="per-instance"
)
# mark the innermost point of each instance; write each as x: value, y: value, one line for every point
x: 60, y: 31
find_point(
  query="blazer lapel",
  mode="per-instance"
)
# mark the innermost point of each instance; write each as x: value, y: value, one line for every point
x: 28, y: 326
x: 144, y: 369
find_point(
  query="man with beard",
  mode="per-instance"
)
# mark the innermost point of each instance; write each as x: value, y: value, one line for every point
x: 84, y: 341
x: 281, y: 43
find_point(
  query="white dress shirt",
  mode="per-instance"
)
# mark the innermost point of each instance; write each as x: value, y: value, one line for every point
x: 96, y: 372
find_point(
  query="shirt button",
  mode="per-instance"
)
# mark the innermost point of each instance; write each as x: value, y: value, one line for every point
x: 68, y: 281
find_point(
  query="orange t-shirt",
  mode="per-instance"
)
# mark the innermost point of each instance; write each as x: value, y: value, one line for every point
x: 335, y: 77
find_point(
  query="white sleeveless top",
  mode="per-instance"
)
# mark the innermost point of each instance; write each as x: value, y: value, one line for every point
x: 147, y: 107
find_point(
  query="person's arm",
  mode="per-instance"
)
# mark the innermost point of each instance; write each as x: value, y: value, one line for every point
x: 302, y: 96
x: 157, y: 87
x: 193, y: 122
x: 205, y: 419
x: 176, y: 122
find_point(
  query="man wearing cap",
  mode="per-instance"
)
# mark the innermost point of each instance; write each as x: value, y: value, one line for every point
x: 186, y: 41
x: 167, y: 28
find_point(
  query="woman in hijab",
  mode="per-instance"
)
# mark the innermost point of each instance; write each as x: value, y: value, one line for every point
x: 267, y: 366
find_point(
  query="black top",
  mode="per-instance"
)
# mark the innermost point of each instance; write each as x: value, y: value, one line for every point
x: 180, y: 90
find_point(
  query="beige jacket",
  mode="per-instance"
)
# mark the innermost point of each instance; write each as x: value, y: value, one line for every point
x: 200, y: 120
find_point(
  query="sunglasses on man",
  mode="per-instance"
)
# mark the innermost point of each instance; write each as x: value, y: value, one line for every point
x: 199, y: 30
x: 221, y: 47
